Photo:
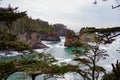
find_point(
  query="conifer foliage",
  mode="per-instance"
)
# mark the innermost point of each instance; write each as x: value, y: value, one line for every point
x: 9, y: 15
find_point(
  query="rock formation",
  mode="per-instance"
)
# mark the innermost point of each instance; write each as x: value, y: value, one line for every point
x: 49, y: 37
x: 60, y: 29
x: 72, y: 39
x: 32, y: 38
x: 69, y: 41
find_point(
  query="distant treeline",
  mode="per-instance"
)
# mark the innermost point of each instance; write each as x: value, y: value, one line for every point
x: 28, y: 24
x: 100, y: 30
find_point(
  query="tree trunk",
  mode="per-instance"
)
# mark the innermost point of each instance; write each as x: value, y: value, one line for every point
x: 93, y: 71
x: 33, y: 76
x: 94, y: 65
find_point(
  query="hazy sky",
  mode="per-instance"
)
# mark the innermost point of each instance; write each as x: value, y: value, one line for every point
x: 73, y: 13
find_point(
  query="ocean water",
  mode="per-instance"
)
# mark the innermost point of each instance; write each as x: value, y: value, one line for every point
x: 64, y: 54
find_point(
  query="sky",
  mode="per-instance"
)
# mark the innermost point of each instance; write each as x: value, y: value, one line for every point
x: 72, y: 13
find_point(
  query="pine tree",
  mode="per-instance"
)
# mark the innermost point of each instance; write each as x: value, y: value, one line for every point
x: 9, y: 40
x: 9, y: 15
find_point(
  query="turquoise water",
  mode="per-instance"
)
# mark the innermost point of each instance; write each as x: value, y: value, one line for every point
x: 62, y: 53
x: 20, y: 56
x: 57, y: 49
x: 19, y: 76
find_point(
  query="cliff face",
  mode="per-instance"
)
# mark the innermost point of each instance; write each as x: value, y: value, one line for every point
x: 32, y: 38
x: 60, y: 29
x: 49, y: 37
x: 86, y: 37
x: 45, y: 30
x: 32, y: 31
x: 72, y: 39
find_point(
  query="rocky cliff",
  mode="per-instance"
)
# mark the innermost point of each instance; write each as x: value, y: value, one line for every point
x: 32, y: 38
x: 60, y: 29
x: 72, y: 39
x: 32, y: 31
x: 49, y: 36
x: 27, y: 24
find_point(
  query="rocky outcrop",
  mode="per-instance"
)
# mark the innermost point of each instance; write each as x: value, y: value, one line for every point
x: 60, y: 29
x: 39, y: 45
x: 71, y: 40
x: 87, y: 37
x: 49, y: 37
x: 32, y: 38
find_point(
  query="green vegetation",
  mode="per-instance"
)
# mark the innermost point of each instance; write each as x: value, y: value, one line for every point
x: 90, y: 40
x: 78, y: 44
x: 19, y: 22
x: 16, y: 23
x: 26, y: 24
x: 92, y: 53
x: 115, y: 74
x: 33, y: 66
x: 100, y: 30
x: 8, y: 40
x: 70, y: 32
x: 6, y: 69
x: 9, y: 15
x: 105, y: 34
x: 87, y: 59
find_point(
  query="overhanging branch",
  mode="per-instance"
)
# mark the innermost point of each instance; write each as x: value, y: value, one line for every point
x: 113, y: 7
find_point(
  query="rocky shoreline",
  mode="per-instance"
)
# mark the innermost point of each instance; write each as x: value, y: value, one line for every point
x: 34, y: 38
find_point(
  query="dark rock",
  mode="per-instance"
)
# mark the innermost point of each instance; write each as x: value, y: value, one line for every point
x: 60, y: 29
x: 49, y: 37
x: 39, y: 45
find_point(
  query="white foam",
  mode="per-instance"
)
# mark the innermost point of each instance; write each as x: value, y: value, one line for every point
x: 11, y: 53
x: 72, y: 76
x: 47, y: 43
x: 39, y: 50
x: 62, y: 60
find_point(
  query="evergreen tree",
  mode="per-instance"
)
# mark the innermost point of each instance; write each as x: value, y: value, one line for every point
x: 88, y: 58
x: 9, y: 15
x: 91, y: 53
x: 9, y: 40
x: 114, y: 74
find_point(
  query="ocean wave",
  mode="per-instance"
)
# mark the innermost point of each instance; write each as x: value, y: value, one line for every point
x: 9, y: 54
